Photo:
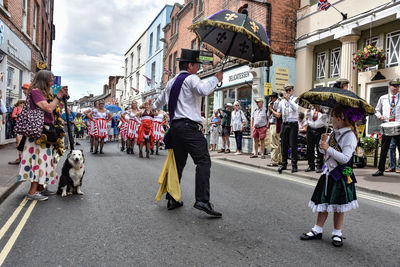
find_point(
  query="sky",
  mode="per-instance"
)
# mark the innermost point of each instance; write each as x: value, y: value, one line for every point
x: 92, y: 37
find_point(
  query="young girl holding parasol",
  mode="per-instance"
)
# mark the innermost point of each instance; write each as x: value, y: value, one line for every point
x: 335, y: 191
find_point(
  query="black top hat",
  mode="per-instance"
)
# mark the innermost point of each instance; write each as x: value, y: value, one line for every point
x: 188, y: 55
x: 274, y: 94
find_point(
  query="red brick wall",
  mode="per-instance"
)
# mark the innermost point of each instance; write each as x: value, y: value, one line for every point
x: 283, y: 24
x: 14, y: 8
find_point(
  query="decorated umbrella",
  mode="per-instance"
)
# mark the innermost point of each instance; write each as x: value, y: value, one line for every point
x: 113, y: 108
x: 333, y: 97
x: 235, y: 34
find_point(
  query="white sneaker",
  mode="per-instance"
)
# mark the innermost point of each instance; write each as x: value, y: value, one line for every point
x: 238, y: 153
x: 37, y: 196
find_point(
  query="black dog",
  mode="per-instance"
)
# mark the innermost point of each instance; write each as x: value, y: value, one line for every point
x: 72, y: 173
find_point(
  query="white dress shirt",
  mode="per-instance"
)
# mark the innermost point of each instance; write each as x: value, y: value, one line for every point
x: 321, y: 121
x: 347, y: 141
x: 237, y: 120
x: 189, y: 100
x: 383, y: 107
x: 260, y: 117
x: 289, y: 109
x: 3, y: 106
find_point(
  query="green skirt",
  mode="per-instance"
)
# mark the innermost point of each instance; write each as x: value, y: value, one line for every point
x: 336, y: 196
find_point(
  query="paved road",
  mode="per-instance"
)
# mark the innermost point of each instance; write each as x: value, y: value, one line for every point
x: 118, y: 223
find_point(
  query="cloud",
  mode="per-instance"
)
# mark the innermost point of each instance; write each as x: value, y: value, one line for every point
x: 93, y: 36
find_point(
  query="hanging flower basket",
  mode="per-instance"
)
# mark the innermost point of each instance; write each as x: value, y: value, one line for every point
x: 368, y: 57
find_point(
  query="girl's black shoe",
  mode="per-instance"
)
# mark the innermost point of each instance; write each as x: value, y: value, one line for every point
x: 337, y: 243
x: 314, y: 235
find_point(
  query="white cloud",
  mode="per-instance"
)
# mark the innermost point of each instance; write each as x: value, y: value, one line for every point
x: 93, y: 36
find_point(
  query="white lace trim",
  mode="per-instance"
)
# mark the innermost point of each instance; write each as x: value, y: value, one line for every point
x: 325, y: 207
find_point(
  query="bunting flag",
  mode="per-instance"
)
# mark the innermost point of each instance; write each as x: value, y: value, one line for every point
x: 135, y: 90
x: 323, y: 5
x: 148, y: 80
x: 168, y: 72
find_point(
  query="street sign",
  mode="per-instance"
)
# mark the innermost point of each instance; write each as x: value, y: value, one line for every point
x: 206, y: 57
x: 267, y: 89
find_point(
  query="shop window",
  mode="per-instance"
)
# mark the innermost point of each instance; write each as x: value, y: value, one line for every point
x: 335, y: 62
x: 321, y: 60
x: 210, y: 105
x: 244, y: 98
x: 392, y: 49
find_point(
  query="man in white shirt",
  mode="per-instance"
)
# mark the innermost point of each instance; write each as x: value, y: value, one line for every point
x: 183, y: 94
x: 388, y: 109
x: 274, y: 125
x: 259, y: 127
x: 317, y: 122
x: 288, y: 110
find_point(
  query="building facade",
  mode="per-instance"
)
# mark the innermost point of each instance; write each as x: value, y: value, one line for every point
x: 26, y: 36
x: 240, y: 83
x: 326, y: 43
x: 134, y: 69
x: 155, y: 52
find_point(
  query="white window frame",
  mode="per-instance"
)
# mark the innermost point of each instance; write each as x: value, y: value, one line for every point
x: 24, y: 15
x: 319, y: 85
x: 35, y: 16
x: 374, y: 42
x: 321, y: 66
x: 392, y: 57
x: 330, y: 84
x: 335, y: 62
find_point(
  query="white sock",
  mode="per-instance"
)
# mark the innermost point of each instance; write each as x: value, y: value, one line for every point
x: 337, y: 232
x: 317, y: 229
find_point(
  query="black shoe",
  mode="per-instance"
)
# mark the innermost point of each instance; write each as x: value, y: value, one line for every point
x: 207, y: 208
x: 337, y: 243
x: 147, y: 154
x: 294, y: 169
x: 77, y: 144
x: 101, y: 152
x: 122, y: 148
x: 314, y: 236
x: 152, y: 152
x: 378, y: 173
x: 157, y: 152
x: 310, y: 169
x: 281, y: 168
x: 173, y: 204
x: 95, y: 152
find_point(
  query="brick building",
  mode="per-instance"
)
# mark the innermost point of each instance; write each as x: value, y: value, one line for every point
x: 240, y: 82
x: 26, y: 35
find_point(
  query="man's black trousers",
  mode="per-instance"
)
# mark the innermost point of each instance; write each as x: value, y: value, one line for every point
x: 313, y: 138
x: 289, y: 137
x: 187, y: 138
x: 384, y: 149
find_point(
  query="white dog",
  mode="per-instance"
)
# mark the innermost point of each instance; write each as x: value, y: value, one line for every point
x: 72, y: 174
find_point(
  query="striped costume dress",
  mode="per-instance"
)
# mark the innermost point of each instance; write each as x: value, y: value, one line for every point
x: 158, y: 129
x: 100, y: 123
x: 90, y: 126
x: 124, y: 127
x: 133, y: 126
x: 146, y: 128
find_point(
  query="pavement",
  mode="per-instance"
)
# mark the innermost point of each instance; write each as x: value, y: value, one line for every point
x: 387, y: 185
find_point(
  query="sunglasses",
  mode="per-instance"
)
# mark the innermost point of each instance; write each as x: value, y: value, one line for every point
x: 288, y: 90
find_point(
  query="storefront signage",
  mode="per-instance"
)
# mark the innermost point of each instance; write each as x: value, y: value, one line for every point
x: 267, y: 89
x: 238, y: 76
x: 41, y: 65
x: 13, y: 51
x: 281, y: 77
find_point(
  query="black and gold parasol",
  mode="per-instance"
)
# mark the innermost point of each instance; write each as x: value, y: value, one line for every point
x: 236, y: 35
x: 333, y: 97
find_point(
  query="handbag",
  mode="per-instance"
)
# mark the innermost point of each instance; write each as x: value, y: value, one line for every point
x: 30, y: 121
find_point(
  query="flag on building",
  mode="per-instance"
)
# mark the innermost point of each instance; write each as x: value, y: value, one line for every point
x: 135, y: 90
x: 166, y: 71
x: 148, y: 80
x: 323, y: 5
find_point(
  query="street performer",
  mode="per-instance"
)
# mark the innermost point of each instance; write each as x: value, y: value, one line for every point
x: 183, y: 95
x: 388, y: 109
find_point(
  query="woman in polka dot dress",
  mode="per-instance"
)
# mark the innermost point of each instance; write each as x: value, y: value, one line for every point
x: 38, y: 164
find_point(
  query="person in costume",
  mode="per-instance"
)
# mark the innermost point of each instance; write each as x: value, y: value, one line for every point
x: 335, y: 191
x: 183, y: 94
x: 159, y: 120
x: 388, y: 109
x: 131, y: 126
x: 288, y: 111
x: 124, y: 129
x: 215, y: 126
x: 92, y: 126
x: 145, y: 133
x: 317, y: 122
x: 100, y: 116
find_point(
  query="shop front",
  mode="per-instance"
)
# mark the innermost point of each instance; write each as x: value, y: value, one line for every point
x: 15, y: 70
x: 237, y: 85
